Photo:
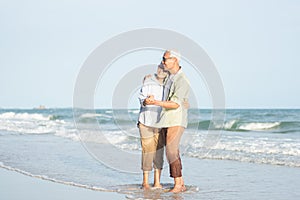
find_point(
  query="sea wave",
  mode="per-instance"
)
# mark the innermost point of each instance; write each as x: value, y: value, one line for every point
x: 247, y: 147
x: 258, y: 126
x: 250, y: 158
x: 244, y: 147
x: 241, y: 126
x: 61, y: 124
x: 24, y: 116
x: 33, y: 123
x: 93, y: 115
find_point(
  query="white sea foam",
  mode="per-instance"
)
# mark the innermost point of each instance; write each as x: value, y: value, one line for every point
x: 259, y: 147
x: 229, y: 124
x: 274, y: 151
x: 25, y: 123
x: 258, y: 126
x: 93, y: 115
x: 132, y: 147
x: 71, y: 134
x: 101, y: 136
x: 115, y: 138
x: 134, y: 111
x: 24, y: 116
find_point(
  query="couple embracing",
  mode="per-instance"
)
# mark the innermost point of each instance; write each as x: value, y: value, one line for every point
x: 162, y: 120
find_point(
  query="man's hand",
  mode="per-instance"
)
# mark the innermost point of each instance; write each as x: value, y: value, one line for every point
x: 186, y: 104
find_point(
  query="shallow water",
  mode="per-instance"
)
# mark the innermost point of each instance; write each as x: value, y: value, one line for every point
x: 47, y: 144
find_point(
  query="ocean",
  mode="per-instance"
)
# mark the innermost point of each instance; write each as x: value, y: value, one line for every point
x: 100, y: 149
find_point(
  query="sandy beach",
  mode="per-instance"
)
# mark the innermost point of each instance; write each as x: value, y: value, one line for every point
x: 206, y: 179
x: 16, y: 186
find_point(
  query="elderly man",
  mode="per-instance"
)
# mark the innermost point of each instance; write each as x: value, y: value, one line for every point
x: 174, y: 114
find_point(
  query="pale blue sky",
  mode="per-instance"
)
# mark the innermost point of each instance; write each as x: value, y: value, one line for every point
x: 254, y: 44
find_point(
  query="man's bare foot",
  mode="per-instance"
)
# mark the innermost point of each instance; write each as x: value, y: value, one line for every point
x: 183, y: 188
x: 145, y: 186
x: 178, y: 188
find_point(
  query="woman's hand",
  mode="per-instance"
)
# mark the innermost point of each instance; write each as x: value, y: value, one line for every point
x: 150, y: 100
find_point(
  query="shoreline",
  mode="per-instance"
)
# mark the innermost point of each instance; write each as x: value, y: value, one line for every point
x: 17, y: 185
x: 217, y: 179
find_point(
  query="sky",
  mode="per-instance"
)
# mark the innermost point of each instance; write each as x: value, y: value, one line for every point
x: 254, y: 45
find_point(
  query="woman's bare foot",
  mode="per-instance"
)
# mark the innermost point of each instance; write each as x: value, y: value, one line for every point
x: 145, y: 186
x: 157, y: 185
x: 157, y: 173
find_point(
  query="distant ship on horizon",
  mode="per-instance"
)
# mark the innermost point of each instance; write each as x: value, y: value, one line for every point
x: 41, y: 107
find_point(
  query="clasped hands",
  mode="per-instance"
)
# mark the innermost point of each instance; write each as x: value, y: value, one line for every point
x: 149, y: 100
